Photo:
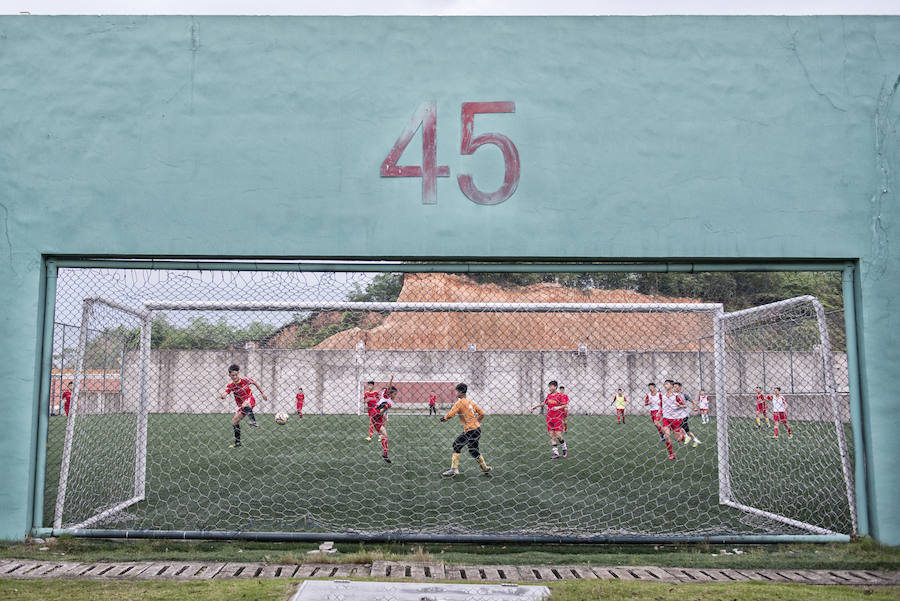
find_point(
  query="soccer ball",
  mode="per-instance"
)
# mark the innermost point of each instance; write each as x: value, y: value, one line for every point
x: 281, y: 418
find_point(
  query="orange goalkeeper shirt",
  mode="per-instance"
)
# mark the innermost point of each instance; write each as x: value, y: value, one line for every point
x: 469, y: 413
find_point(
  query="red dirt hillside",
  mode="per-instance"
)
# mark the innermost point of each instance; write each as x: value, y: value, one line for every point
x: 524, y: 331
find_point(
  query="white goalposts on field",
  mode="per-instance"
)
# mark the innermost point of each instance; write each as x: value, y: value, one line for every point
x: 728, y: 322
x: 140, y: 452
x: 722, y: 324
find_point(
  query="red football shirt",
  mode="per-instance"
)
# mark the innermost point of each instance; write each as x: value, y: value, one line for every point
x: 432, y: 399
x: 370, y: 397
x: 557, y: 405
x: 241, y: 390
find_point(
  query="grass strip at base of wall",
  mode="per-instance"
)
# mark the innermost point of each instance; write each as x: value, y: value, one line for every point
x: 864, y: 554
x: 281, y: 590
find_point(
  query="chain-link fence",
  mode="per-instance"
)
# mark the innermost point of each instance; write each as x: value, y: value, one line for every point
x: 151, y: 439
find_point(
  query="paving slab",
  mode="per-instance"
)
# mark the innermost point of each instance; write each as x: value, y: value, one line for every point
x: 500, y: 574
x: 209, y: 571
x: 538, y: 574
x: 661, y: 574
x: 130, y: 570
x: 45, y: 569
x: 17, y: 569
x: 734, y: 575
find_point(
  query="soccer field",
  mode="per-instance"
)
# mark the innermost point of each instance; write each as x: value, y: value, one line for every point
x: 319, y: 474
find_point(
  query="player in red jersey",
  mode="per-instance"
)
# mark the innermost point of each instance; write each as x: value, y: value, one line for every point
x: 761, y: 405
x: 432, y: 404
x: 300, y: 398
x: 67, y: 397
x: 243, y: 397
x: 565, y: 398
x: 673, y: 409
x: 370, y: 398
x: 379, y: 419
x: 557, y: 409
x: 653, y: 402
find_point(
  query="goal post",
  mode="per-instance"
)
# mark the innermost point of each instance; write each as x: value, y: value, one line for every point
x: 72, y: 453
x: 757, y: 330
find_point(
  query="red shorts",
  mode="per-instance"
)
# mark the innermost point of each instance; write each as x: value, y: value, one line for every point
x: 241, y: 403
x: 704, y: 411
x: 780, y: 416
x: 654, y: 415
x: 620, y: 411
x: 555, y: 424
x: 761, y: 408
x: 672, y: 424
x: 372, y: 413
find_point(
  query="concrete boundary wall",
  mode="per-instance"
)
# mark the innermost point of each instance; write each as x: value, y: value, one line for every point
x: 190, y: 381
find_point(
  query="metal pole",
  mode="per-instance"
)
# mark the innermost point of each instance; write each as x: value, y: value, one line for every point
x: 396, y: 537
x: 856, y: 404
x: 140, y: 441
x: 514, y: 265
x: 43, y: 422
x: 86, y: 309
x: 791, y: 354
x: 435, y: 307
x: 62, y: 365
x: 830, y: 389
x: 720, y: 363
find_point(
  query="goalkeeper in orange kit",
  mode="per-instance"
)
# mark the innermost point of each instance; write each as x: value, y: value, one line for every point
x: 470, y: 415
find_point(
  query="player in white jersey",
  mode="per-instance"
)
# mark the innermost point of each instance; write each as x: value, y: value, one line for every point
x: 672, y: 407
x: 686, y: 414
x: 652, y: 402
x: 703, y: 406
x: 779, y: 411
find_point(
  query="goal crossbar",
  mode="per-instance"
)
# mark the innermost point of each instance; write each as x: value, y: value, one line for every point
x: 402, y: 307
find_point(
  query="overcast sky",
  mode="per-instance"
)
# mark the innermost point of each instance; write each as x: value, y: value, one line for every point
x: 452, y: 7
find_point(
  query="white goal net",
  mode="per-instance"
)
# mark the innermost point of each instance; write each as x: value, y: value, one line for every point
x: 154, y: 445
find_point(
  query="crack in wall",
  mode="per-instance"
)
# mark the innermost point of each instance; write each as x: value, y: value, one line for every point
x: 884, y: 126
x: 4, y: 218
x: 792, y: 46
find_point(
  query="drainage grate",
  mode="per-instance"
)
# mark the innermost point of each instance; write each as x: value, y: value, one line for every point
x: 430, y: 571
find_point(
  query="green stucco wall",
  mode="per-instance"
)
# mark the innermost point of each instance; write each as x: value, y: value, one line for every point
x: 750, y: 138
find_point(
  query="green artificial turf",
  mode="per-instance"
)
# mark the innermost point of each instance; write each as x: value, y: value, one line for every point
x: 318, y: 474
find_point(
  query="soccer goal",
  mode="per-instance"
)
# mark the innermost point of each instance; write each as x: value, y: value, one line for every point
x: 792, y: 471
x: 104, y: 458
x: 157, y: 453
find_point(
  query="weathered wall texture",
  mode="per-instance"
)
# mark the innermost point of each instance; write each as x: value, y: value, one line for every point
x: 639, y: 138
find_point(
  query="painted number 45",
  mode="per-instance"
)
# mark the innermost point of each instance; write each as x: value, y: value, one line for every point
x: 429, y: 171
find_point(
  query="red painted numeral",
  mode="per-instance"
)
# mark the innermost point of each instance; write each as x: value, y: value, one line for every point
x: 468, y: 146
x: 426, y: 116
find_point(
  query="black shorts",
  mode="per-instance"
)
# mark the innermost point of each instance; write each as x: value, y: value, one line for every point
x: 469, y: 439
